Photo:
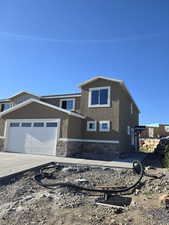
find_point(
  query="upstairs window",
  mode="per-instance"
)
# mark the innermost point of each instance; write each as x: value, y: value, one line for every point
x: 68, y: 104
x: 5, y: 106
x: 99, y: 97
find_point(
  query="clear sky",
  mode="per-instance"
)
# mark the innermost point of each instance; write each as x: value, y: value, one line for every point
x: 49, y: 46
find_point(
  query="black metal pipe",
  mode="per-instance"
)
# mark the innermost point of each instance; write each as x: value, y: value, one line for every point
x: 137, y: 167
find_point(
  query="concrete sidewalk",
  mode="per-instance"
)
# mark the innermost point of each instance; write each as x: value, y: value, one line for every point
x: 12, y: 163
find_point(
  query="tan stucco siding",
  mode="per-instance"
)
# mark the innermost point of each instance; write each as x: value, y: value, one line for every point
x: 56, y: 102
x: 37, y: 111
x: 102, y: 113
x: 127, y: 119
x: 75, y: 128
x: 53, y: 101
x: 2, y: 126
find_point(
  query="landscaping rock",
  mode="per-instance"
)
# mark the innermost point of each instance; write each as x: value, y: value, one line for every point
x: 81, y: 181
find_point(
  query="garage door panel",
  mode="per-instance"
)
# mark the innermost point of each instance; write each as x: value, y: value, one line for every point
x: 33, y: 140
x: 18, y: 140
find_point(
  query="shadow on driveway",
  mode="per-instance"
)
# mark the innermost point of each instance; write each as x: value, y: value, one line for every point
x: 149, y: 159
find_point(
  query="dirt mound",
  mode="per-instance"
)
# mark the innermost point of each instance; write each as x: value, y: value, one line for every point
x: 24, y: 202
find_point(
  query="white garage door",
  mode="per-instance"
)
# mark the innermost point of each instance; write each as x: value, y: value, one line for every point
x: 32, y: 136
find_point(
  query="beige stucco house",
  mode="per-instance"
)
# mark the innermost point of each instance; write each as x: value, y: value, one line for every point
x: 100, y: 119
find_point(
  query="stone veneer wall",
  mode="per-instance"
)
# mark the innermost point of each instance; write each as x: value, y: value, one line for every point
x: 72, y: 148
x: 101, y: 148
x: 1, y: 144
x: 68, y: 148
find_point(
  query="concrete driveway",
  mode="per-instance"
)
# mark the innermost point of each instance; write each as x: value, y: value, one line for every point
x: 12, y: 163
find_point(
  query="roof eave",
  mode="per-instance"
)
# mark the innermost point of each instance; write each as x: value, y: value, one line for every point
x: 98, y: 77
x: 29, y: 101
x: 22, y: 92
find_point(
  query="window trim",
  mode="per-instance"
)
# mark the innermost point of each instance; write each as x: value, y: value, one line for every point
x: 129, y: 130
x: 68, y: 99
x: 6, y: 103
x: 104, y: 121
x: 88, y: 125
x: 98, y: 105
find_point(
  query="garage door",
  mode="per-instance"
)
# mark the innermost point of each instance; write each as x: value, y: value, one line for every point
x: 32, y: 136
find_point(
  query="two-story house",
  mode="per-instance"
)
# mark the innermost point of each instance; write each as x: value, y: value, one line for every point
x: 99, y: 119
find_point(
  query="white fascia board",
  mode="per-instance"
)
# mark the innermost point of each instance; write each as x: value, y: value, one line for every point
x: 61, y: 96
x: 23, y: 92
x: 42, y: 103
x: 5, y: 101
x: 98, y: 77
x: 89, y: 140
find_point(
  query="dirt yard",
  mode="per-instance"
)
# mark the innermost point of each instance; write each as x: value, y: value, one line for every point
x: 24, y: 202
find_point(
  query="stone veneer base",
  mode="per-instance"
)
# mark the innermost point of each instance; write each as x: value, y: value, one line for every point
x: 72, y: 148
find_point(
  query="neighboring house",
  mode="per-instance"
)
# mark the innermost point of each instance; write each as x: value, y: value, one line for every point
x: 155, y: 131
x: 100, y: 119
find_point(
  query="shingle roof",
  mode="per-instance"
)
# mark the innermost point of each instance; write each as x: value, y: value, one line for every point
x: 62, y: 95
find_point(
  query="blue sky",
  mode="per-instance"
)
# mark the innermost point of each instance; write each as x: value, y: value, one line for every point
x: 49, y: 46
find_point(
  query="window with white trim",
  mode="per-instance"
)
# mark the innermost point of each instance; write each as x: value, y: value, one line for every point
x: 128, y: 130
x: 68, y: 104
x: 99, y: 97
x: 91, y: 125
x: 5, y: 106
x: 104, y: 126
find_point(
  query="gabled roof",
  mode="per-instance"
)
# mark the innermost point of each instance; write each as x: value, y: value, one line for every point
x: 96, y: 78
x: 71, y: 95
x: 121, y: 82
x: 23, y: 92
x: 19, y: 93
x: 29, y: 101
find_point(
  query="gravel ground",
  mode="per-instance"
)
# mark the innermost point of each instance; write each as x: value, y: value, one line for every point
x: 24, y: 202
